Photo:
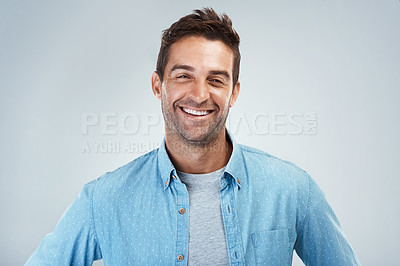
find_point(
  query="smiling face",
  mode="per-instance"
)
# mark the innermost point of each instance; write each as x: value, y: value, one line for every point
x: 197, y: 90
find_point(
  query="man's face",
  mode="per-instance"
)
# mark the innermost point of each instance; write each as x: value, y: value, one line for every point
x: 197, y: 89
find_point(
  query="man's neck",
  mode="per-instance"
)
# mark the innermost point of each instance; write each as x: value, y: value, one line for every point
x: 199, y: 159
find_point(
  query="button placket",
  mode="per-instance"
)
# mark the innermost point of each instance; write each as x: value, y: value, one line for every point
x: 232, y: 233
x: 182, y: 235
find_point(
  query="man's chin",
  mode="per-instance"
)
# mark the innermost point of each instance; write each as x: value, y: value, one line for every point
x: 198, y: 138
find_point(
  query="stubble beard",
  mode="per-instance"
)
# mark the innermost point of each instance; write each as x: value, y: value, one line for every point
x: 202, y: 135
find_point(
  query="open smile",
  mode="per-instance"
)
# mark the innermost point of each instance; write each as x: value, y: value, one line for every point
x: 195, y: 112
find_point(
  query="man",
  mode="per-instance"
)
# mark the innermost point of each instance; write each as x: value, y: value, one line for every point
x: 201, y: 198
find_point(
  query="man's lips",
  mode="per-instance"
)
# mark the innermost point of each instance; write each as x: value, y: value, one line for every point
x: 195, y: 112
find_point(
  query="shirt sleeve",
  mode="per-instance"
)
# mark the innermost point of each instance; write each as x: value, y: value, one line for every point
x: 321, y: 240
x: 73, y: 241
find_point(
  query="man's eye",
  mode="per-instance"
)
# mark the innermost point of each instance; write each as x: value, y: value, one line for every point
x: 182, y: 76
x: 216, y: 80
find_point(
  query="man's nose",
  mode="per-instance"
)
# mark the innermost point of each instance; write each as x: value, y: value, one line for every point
x: 199, y: 91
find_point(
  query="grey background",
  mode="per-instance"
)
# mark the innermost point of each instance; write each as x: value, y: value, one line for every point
x: 338, y: 59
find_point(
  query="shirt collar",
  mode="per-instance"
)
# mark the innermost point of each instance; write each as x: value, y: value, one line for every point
x: 235, y: 168
x: 165, y: 165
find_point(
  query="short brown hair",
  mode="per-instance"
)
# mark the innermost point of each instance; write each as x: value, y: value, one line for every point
x: 205, y: 23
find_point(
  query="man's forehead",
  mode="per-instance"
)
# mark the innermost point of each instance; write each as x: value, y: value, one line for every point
x: 190, y: 41
x: 193, y: 51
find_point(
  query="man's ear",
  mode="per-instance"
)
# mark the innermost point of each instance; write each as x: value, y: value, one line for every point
x: 156, y: 85
x: 235, y: 94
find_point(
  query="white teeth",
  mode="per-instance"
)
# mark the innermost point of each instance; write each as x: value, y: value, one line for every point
x: 194, y: 112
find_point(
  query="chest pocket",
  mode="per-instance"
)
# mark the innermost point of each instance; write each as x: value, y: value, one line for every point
x: 272, y: 247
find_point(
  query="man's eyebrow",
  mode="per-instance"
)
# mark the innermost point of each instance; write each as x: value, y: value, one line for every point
x: 220, y: 72
x: 184, y: 67
x: 191, y: 69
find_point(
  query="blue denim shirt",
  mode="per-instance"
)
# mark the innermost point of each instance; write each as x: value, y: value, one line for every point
x: 138, y: 215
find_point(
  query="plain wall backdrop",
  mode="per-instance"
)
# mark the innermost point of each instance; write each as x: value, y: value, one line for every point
x: 65, y: 64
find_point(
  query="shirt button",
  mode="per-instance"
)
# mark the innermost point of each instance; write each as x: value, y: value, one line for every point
x: 181, y: 211
x: 174, y: 177
x: 166, y: 182
x: 238, y: 181
x: 180, y: 257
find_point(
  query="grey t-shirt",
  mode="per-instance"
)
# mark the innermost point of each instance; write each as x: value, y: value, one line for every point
x: 207, y: 244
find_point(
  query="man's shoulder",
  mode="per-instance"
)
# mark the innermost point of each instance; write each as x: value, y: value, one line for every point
x: 138, y: 164
x: 265, y: 158
x: 130, y: 172
x: 270, y: 167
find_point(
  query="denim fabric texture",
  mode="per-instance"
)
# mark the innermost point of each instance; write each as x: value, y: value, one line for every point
x: 138, y: 215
